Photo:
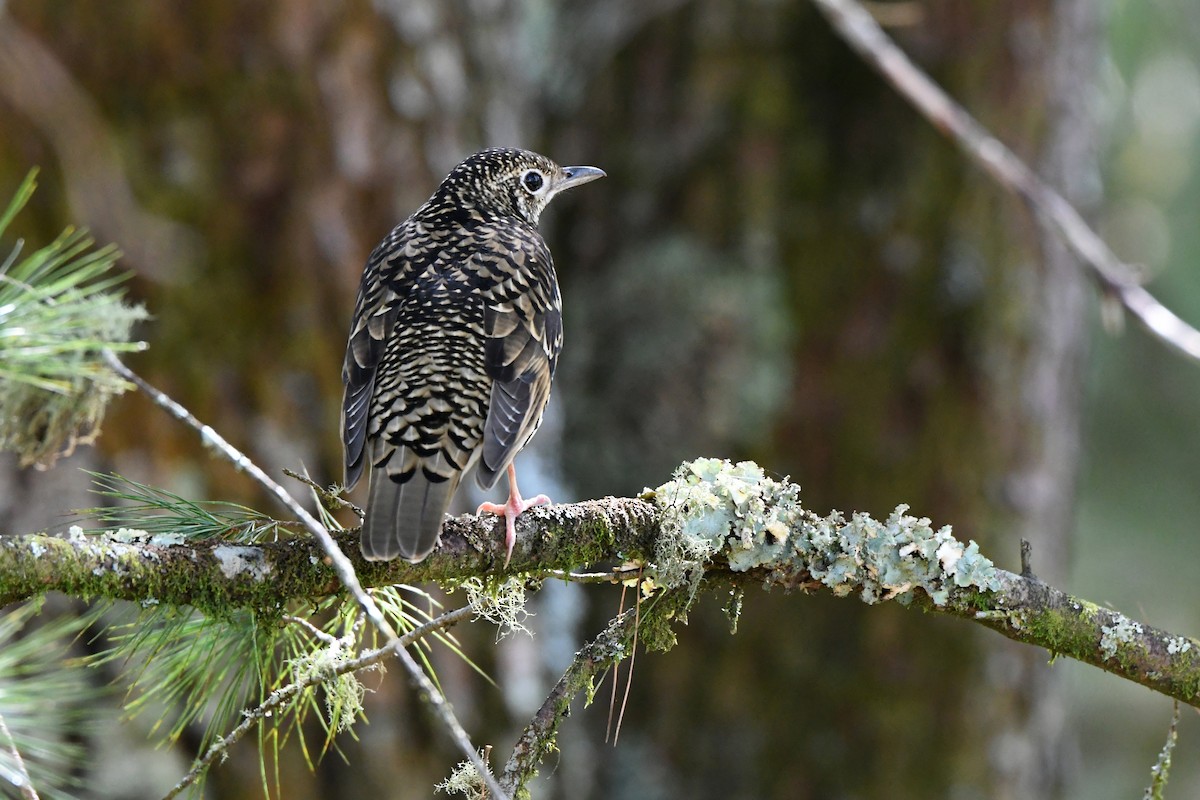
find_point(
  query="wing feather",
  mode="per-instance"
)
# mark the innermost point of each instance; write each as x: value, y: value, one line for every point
x: 524, y: 332
x: 380, y: 295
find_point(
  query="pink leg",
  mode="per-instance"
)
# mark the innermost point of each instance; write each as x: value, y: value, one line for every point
x: 515, y: 506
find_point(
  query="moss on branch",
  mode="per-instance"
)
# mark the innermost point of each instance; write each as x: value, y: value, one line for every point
x: 715, y: 522
x: 218, y: 577
x: 1029, y: 611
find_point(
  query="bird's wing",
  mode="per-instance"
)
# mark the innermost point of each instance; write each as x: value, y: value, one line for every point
x: 523, y: 324
x: 386, y: 282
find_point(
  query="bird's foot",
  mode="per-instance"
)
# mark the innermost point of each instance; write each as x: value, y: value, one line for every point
x: 510, y: 510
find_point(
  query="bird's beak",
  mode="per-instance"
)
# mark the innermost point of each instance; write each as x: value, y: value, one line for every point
x: 577, y: 176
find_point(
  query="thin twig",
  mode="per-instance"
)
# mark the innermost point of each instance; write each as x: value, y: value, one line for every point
x: 856, y: 25
x: 1161, y: 770
x: 615, y: 575
x: 327, y: 638
x: 21, y: 779
x: 537, y: 740
x: 286, y: 693
x: 616, y: 672
x: 329, y: 494
x: 341, y: 564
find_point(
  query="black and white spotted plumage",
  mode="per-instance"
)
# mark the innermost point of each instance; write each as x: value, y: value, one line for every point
x: 453, y: 345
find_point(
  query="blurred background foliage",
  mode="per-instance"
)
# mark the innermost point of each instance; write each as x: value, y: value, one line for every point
x: 784, y: 264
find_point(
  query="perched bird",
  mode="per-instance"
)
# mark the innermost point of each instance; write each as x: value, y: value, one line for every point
x: 453, y: 344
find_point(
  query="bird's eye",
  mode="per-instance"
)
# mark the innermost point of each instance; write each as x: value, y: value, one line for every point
x: 532, y: 181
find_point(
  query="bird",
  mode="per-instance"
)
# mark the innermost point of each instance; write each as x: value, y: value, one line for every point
x: 454, y: 340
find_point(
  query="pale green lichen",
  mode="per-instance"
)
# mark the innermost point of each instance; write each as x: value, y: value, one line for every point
x: 465, y: 780
x: 168, y: 539
x: 1122, y: 631
x: 343, y: 691
x: 236, y: 560
x: 1178, y: 644
x: 128, y: 535
x: 502, y: 605
x: 712, y: 506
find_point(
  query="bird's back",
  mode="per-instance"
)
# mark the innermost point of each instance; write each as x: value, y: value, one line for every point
x: 418, y: 387
x: 453, y: 344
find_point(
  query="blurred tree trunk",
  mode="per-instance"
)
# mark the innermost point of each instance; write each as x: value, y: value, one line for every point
x: 797, y: 245
x: 786, y: 263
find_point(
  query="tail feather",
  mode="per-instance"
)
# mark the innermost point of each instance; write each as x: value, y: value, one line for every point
x: 404, y: 519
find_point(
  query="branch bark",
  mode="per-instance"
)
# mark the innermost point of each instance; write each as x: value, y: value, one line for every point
x: 218, y: 577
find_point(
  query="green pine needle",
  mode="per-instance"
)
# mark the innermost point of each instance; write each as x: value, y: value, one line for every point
x: 158, y: 511
x: 46, y: 701
x: 188, y: 669
x: 60, y: 308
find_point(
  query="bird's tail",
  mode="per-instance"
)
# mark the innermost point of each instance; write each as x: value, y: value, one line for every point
x: 404, y: 519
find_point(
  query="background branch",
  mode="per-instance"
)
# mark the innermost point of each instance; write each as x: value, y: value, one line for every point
x: 860, y: 30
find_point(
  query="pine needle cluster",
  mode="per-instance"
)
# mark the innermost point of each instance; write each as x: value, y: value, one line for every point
x: 60, y: 308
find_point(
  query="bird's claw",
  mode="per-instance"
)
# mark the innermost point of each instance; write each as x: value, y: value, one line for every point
x: 510, y: 510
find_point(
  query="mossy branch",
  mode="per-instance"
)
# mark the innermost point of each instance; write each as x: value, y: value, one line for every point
x: 715, y: 523
x: 537, y: 741
x: 218, y: 576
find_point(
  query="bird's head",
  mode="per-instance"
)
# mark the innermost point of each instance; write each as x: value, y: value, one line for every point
x: 513, y: 182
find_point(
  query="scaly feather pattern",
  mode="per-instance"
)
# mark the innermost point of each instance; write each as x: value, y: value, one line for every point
x: 453, y: 345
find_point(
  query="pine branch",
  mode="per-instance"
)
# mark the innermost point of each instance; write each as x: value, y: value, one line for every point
x: 281, y: 697
x: 342, y: 566
x: 20, y: 777
x: 60, y: 306
x: 45, y: 706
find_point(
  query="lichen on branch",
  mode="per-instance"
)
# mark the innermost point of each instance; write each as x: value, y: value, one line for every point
x: 756, y: 522
x: 715, y: 524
